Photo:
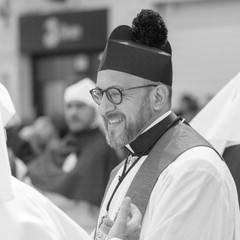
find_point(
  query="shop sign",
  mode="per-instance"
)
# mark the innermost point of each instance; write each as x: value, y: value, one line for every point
x: 56, y: 32
x: 61, y: 32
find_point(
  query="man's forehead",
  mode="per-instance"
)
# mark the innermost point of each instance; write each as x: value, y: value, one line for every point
x: 108, y: 78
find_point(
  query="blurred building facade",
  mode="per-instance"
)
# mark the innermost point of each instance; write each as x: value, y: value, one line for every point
x: 46, y: 44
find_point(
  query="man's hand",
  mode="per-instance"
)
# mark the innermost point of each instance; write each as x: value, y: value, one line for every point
x: 127, y: 225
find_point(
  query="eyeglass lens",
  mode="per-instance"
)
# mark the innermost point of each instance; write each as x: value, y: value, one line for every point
x: 113, y: 94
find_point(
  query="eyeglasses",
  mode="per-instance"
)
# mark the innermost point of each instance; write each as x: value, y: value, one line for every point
x: 113, y: 94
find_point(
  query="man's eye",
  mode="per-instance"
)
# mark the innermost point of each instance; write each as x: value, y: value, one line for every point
x: 115, y: 94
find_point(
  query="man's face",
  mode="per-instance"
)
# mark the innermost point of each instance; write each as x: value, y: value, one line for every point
x: 126, y: 121
x: 79, y: 116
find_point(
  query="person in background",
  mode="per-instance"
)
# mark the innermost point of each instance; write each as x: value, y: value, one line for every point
x: 38, y: 138
x: 188, y: 107
x: 25, y: 143
x: 219, y: 122
x: 78, y: 167
x: 19, y: 146
x: 173, y: 175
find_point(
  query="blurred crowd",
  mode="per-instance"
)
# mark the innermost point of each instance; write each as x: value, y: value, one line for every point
x: 26, y: 141
x: 66, y: 157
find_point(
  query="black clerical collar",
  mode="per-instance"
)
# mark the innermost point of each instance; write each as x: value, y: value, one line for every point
x: 144, y: 143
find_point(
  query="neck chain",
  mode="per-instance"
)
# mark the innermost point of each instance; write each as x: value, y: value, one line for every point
x: 125, y: 171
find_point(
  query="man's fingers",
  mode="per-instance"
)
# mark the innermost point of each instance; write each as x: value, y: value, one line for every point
x: 124, y: 210
x: 106, y: 225
x: 108, y: 222
x: 136, y: 214
x: 119, y: 228
x: 128, y: 222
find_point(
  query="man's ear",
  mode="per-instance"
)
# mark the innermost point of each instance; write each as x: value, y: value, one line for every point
x: 160, y: 97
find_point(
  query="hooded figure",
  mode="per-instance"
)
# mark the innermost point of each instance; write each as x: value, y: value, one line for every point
x: 219, y: 122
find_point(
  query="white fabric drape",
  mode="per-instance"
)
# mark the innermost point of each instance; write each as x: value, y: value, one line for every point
x: 6, y: 113
x: 219, y: 120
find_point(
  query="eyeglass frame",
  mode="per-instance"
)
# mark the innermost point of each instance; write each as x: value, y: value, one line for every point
x: 119, y: 90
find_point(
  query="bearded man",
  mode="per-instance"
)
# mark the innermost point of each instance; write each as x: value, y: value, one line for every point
x: 175, y: 177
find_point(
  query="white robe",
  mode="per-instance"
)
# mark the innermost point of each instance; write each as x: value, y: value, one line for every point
x: 219, y: 120
x: 194, y: 199
x: 31, y: 216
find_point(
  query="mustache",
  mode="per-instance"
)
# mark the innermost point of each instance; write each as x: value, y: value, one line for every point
x: 108, y: 116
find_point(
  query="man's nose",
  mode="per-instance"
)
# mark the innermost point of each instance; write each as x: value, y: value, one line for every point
x: 105, y: 105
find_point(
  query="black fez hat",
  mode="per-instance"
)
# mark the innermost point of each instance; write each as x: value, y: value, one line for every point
x: 141, y: 50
